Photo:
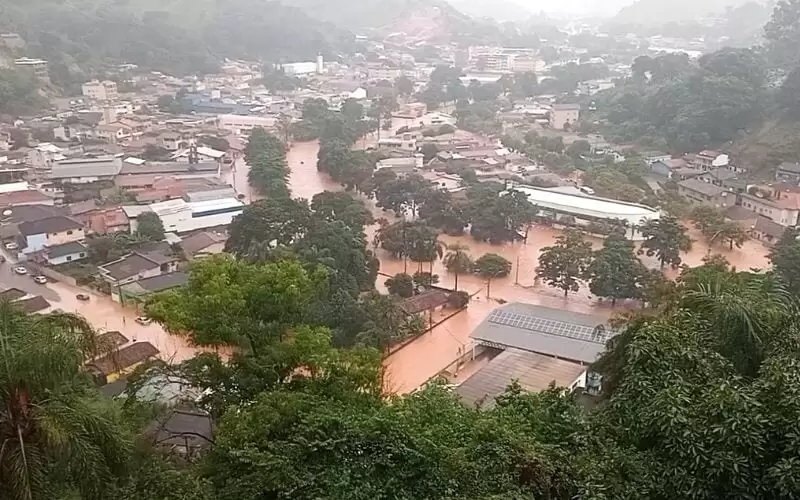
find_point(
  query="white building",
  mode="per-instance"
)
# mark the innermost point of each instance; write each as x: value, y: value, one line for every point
x: 44, y: 155
x: 304, y: 68
x: 238, y: 124
x: 100, y: 91
x: 180, y: 216
x: 587, y: 209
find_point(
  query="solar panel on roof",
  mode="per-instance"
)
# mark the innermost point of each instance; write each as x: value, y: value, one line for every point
x: 598, y: 334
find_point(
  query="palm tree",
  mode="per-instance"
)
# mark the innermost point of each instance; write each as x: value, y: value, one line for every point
x: 457, y: 260
x: 56, y: 433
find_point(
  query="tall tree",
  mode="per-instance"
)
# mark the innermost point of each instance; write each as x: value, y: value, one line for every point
x: 665, y: 238
x: 266, y: 224
x: 785, y: 259
x: 150, y: 227
x: 57, y: 433
x: 616, y: 272
x: 491, y: 266
x: 457, y: 260
x: 564, y: 264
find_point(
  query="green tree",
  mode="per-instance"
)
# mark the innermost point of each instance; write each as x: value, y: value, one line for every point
x: 229, y: 302
x: 491, y: 266
x: 266, y: 224
x: 401, y: 285
x: 58, y: 434
x: 564, y: 264
x: 344, y: 207
x: 616, y: 272
x: 457, y: 260
x: 497, y: 216
x: 404, y: 85
x: 665, y: 238
x: 150, y: 227
x: 785, y: 259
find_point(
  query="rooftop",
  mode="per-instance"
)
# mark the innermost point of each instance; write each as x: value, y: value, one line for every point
x: 86, y: 167
x: 534, y: 372
x: 70, y: 248
x: 552, y: 332
x: 701, y: 187
x: 56, y: 224
x: 128, y: 266
x: 169, y: 168
x: 33, y: 304
x: 124, y: 358
x: 156, y: 283
x: 592, y: 206
x: 200, y: 241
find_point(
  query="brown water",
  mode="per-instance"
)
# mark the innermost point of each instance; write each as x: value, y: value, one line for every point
x: 422, y: 359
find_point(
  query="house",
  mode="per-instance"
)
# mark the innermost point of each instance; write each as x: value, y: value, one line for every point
x: 404, y: 142
x: 238, y: 124
x: 788, y: 172
x: 401, y: 165
x: 723, y: 177
x: 44, y: 155
x: 757, y: 226
x: 172, y: 141
x: 108, y: 221
x: 651, y: 157
x: 27, y: 197
x: 185, y: 432
x: 782, y: 207
x: 100, y: 91
x: 68, y: 252
x: 705, y: 193
x: 113, y: 133
x: 180, y: 216
x: 174, y: 169
x: 563, y: 116
x: 85, y: 170
x: 667, y: 167
x: 203, y: 154
x: 203, y: 243
x: 48, y: 232
x: 116, y: 364
x: 37, y: 68
x: 138, y: 291
x: 155, y: 260
x: 708, y: 159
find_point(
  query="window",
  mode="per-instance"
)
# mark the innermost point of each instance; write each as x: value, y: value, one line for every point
x: 69, y: 258
x: 69, y: 232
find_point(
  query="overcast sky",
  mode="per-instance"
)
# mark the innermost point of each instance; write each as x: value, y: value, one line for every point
x: 606, y: 7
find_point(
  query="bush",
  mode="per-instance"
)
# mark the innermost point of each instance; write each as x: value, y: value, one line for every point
x: 459, y: 299
x: 446, y: 129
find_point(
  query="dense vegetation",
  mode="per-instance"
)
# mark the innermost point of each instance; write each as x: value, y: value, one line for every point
x: 175, y: 36
x: 700, y: 395
x: 678, y: 105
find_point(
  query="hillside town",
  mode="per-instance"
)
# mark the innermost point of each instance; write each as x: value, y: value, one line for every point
x: 501, y: 231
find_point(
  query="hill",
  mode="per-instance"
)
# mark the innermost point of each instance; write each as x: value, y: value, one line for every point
x: 374, y: 13
x: 499, y: 10
x: 659, y: 12
x: 173, y: 35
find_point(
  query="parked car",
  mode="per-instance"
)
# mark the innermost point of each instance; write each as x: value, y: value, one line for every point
x: 40, y: 279
x: 82, y: 297
x: 143, y: 320
x: 2, y: 260
x: 20, y: 270
x: 11, y: 245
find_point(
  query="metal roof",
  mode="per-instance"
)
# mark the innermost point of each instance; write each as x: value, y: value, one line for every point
x: 534, y: 372
x: 591, y: 206
x: 552, y: 332
x: 86, y: 167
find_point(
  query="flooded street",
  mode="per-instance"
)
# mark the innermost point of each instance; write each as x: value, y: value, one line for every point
x: 423, y: 358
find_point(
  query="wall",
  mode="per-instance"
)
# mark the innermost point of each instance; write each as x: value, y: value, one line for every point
x: 54, y: 239
x: 35, y: 243
x: 67, y: 258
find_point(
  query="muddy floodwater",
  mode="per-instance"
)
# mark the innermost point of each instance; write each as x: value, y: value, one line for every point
x: 423, y: 358
x: 411, y: 366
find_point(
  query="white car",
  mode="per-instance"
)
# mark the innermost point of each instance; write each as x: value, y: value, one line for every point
x: 143, y: 321
x: 20, y: 270
x: 40, y: 279
x: 11, y: 246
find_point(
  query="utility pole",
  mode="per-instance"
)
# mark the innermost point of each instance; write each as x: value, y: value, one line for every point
x: 516, y: 275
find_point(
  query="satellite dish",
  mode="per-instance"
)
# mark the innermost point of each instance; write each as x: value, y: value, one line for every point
x: 6, y: 212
